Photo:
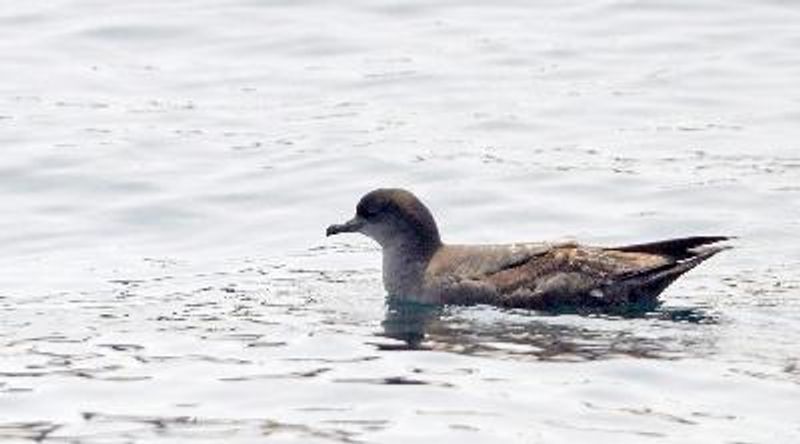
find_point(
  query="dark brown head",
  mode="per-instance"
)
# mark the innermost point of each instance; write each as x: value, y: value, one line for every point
x: 392, y: 217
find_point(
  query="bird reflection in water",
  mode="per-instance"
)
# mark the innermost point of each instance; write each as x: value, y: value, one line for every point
x: 661, y: 333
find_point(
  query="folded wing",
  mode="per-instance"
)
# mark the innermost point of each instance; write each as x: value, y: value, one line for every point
x: 600, y: 277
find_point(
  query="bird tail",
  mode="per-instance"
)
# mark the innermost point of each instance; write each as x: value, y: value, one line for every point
x: 644, y: 286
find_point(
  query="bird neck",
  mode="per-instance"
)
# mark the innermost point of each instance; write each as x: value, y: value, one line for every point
x: 404, y: 268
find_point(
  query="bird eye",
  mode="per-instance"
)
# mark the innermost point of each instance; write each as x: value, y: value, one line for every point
x: 368, y: 212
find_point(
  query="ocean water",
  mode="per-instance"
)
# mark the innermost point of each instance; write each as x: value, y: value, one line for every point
x: 168, y: 169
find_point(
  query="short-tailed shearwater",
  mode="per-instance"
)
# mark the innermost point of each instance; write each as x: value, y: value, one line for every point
x: 418, y: 266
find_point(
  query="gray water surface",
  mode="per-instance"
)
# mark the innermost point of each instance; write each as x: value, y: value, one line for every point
x: 168, y: 169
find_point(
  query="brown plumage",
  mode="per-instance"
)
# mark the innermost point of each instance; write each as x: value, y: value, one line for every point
x: 418, y: 266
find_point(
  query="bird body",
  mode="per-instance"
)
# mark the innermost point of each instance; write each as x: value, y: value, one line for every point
x: 418, y: 266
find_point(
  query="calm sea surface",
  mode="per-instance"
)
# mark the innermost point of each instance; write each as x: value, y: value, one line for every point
x: 167, y: 170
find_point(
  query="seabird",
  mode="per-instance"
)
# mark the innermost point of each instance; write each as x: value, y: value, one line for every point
x: 419, y: 267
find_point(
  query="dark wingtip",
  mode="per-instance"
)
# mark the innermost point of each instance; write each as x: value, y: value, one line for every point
x: 678, y: 248
x: 714, y: 239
